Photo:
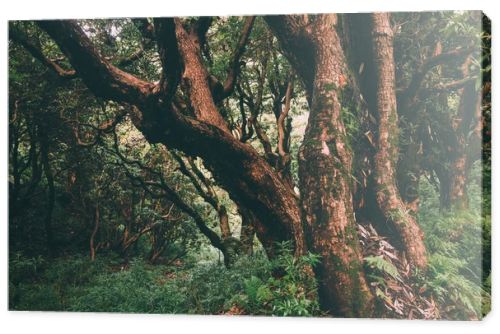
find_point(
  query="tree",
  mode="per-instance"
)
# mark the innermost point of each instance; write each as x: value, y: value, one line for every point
x: 386, y: 158
x: 200, y: 120
x: 325, y: 163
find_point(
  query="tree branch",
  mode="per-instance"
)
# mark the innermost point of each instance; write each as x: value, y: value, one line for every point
x: 409, y: 94
x: 169, y: 56
x: 169, y: 193
x: 457, y: 84
x: 294, y: 35
x: 195, y: 79
x: 235, y: 66
x: 102, y: 78
x: 20, y: 38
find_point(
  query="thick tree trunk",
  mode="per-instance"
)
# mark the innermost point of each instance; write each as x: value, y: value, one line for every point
x: 386, y: 157
x: 325, y: 165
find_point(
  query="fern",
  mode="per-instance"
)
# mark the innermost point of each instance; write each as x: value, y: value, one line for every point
x: 382, y: 265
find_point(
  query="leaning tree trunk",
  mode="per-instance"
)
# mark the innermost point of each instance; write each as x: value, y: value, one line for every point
x: 386, y: 157
x: 325, y: 164
x: 237, y: 167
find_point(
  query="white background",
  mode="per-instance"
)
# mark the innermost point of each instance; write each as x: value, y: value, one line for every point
x: 51, y: 322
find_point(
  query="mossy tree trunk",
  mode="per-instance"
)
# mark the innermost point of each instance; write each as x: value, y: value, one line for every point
x: 325, y: 163
x: 386, y: 157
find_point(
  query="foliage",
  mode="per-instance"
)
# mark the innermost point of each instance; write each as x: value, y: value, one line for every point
x: 85, y: 182
x: 292, y: 293
x: 77, y: 284
x: 383, y: 266
x: 456, y: 274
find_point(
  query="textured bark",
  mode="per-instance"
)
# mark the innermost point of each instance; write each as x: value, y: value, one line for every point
x: 247, y: 231
x: 202, y: 102
x: 386, y: 157
x: 195, y: 77
x: 325, y: 164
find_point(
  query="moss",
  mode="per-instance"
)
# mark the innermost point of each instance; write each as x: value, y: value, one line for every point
x: 398, y: 216
x: 329, y: 86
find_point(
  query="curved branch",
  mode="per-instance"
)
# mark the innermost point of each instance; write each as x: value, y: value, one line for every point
x: 169, y: 56
x: 282, y: 138
x: 102, y: 78
x: 237, y: 167
x: 196, y: 177
x: 19, y: 37
x: 169, y: 193
x: 457, y: 84
x: 293, y: 33
x: 195, y: 78
x: 105, y: 127
x: 235, y: 66
x: 409, y: 94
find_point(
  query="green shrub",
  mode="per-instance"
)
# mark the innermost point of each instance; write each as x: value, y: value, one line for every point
x: 22, y: 269
x: 292, y: 293
x: 38, y: 297
x: 139, y: 289
x: 454, y: 242
x: 253, y: 285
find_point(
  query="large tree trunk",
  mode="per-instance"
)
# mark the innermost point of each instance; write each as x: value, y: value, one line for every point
x: 378, y: 197
x: 325, y: 164
x: 386, y: 157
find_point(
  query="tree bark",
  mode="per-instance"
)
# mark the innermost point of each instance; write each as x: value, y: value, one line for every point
x: 247, y: 231
x: 386, y: 157
x: 325, y: 164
